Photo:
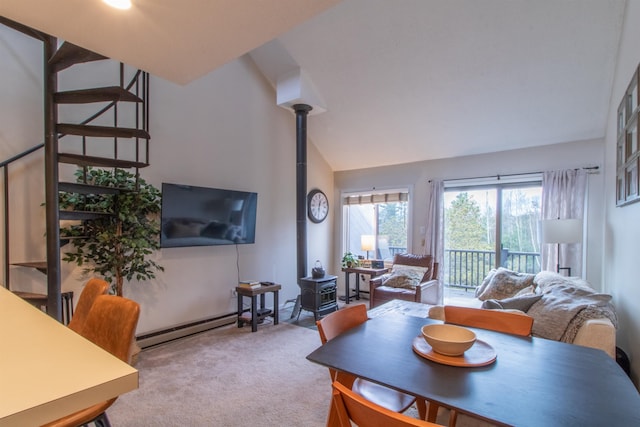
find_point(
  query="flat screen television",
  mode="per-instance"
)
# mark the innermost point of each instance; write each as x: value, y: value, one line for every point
x: 201, y: 216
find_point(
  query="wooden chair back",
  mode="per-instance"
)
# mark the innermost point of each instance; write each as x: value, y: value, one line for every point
x: 340, y: 321
x: 347, y: 406
x: 495, y: 320
x: 336, y: 323
x: 92, y: 289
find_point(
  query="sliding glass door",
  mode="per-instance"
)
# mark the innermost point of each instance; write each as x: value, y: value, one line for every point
x: 489, y: 226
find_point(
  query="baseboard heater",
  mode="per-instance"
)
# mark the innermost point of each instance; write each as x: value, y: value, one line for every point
x: 184, y: 330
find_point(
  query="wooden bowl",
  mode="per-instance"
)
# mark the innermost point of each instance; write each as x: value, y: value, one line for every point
x: 449, y: 340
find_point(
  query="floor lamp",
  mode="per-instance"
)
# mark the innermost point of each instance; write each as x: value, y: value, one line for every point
x: 558, y: 231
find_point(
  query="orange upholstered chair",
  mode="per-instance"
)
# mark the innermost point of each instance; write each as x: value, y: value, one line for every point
x: 342, y: 320
x: 111, y: 324
x: 92, y: 289
x: 347, y: 406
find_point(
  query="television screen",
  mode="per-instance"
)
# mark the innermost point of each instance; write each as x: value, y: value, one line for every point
x: 200, y: 216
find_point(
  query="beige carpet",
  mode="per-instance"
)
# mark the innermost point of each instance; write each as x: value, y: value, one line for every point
x: 232, y: 377
x: 229, y: 377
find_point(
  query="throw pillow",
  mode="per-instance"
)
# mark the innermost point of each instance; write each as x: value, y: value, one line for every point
x: 505, y: 284
x: 522, y: 303
x: 480, y: 289
x: 404, y: 276
x: 529, y: 290
x: 545, y: 280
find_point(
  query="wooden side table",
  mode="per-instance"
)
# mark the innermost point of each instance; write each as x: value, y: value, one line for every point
x: 258, y: 313
x: 372, y: 272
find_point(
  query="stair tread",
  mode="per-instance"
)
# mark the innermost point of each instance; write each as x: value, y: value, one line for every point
x: 82, y: 215
x: 101, y: 131
x: 70, y: 54
x: 82, y: 160
x: 81, y: 188
x: 101, y: 94
x: 32, y: 264
x: 35, y: 296
x: 31, y: 296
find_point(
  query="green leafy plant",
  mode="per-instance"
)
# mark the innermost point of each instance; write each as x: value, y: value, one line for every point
x: 349, y: 260
x: 117, y: 246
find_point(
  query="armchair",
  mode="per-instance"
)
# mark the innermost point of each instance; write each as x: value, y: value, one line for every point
x: 427, y: 291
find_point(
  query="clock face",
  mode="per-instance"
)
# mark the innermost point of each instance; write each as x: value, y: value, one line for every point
x: 317, y: 206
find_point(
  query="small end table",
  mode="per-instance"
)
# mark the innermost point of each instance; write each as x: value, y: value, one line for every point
x: 372, y: 272
x: 258, y: 314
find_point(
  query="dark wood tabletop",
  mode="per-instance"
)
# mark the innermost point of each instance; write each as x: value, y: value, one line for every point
x: 534, y: 382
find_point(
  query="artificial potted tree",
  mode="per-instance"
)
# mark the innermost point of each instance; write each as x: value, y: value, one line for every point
x: 116, y: 246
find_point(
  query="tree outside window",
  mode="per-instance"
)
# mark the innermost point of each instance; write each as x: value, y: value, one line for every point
x: 475, y: 219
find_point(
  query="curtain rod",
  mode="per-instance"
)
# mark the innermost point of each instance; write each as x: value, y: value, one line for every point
x: 587, y: 168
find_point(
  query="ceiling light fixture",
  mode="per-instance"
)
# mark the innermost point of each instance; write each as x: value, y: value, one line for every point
x: 119, y: 4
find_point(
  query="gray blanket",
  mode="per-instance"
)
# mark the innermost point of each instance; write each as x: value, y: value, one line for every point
x: 563, y: 309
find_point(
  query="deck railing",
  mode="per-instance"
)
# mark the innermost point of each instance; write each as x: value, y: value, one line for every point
x: 466, y: 268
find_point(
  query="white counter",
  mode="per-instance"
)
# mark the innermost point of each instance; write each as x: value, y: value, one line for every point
x: 48, y: 371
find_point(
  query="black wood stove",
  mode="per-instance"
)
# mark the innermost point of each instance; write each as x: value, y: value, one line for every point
x: 318, y: 295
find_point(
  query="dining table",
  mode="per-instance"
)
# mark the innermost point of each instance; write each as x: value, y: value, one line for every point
x: 532, y: 381
x: 48, y: 371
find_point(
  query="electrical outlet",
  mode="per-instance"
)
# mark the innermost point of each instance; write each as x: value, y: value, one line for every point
x: 234, y: 293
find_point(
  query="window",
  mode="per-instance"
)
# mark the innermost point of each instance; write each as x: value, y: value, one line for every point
x: 488, y: 225
x: 382, y: 217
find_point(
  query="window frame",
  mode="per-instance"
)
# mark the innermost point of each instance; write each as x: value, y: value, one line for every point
x: 387, y: 190
x: 497, y: 183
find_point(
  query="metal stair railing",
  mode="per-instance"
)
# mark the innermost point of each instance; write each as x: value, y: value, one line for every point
x: 136, y: 92
x: 5, y: 201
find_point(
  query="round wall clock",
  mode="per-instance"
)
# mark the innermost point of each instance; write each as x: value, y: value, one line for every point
x: 317, y: 206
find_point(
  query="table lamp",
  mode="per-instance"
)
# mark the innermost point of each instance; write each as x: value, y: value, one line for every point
x: 558, y: 231
x: 367, y: 243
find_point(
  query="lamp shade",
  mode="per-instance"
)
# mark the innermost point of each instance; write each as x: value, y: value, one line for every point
x: 561, y: 230
x: 119, y: 4
x: 367, y: 242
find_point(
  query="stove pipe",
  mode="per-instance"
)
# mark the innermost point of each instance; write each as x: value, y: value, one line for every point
x: 301, y: 110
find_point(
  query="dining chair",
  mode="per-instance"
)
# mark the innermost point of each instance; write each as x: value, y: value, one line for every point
x: 342, y: 320
x: 92, y: 289
x: 495, y: 320
x: 110, y: 324
x: 348, y: 406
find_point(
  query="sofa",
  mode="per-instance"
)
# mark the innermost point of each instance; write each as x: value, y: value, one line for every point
x: 412, y: 278
x: 565, y: 309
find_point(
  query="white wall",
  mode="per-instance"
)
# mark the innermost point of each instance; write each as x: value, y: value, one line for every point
x: 417, y: 175
x: 21, y: 127
x: 223, y: 130
x: 622, y: 226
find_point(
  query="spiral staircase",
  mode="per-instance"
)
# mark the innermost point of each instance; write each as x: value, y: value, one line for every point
x: 114, y: 136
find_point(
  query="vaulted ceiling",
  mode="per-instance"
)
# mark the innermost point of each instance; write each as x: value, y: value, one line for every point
x: 402, y: 80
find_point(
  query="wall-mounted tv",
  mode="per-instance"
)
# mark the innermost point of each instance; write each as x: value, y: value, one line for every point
x: 201, y: 216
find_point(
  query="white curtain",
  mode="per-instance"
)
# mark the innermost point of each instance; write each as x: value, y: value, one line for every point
x: 434, y: 231
x: 563, y: 197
